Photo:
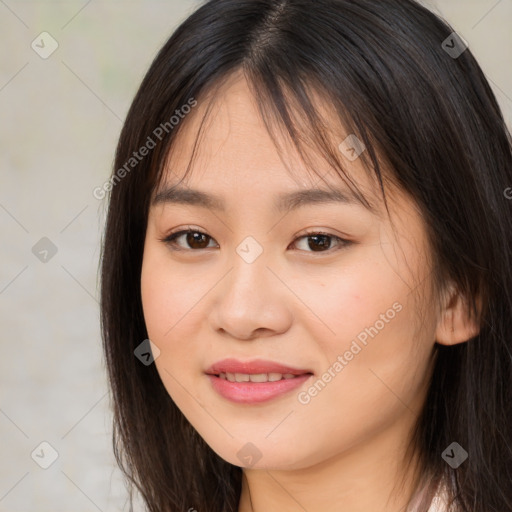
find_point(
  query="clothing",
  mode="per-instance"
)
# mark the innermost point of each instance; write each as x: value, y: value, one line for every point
x: 438, y: 504
x: 441, y: 500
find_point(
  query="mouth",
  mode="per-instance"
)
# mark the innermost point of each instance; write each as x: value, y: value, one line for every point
x: 254, y: 381
x: 256, y: 377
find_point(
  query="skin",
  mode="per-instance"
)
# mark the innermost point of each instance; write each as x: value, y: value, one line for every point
x: 296, y: 306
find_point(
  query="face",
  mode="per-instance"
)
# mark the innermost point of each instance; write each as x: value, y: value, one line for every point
x: 327, y: 291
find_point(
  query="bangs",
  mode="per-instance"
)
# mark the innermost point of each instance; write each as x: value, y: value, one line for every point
x: 300, y: 116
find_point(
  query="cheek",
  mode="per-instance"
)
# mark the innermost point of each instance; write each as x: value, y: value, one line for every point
x: 169, y: 293
x: 172, y: 301
x: 374, y: 360
x: 354, y: 299
x: 166, y: 298
x: 369, y: 316
x: 157, y: 301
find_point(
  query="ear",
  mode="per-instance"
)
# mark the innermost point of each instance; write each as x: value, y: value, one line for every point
x: 455, y: 324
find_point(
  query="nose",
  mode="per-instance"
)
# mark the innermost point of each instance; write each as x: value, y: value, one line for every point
x: 251, y: 301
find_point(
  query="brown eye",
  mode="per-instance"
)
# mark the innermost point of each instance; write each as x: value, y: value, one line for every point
x: 319, y: 242
x: 197, y: 240
x: 193, y: 239
x: 322, y: 242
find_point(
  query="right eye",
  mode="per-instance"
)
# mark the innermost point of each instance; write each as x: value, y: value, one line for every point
x: 195, y: 240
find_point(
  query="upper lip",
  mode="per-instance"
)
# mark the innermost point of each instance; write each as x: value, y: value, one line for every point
x: 253, y: 367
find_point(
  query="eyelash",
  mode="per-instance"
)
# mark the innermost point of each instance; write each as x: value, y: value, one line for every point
x: 170, y: 240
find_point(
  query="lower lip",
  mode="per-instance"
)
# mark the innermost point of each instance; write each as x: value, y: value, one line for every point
x: 255, y: 392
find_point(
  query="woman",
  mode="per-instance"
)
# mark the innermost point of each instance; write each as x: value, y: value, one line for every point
x: 328, y: 340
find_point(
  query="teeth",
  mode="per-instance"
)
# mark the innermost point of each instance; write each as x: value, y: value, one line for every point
x: 256, y: 377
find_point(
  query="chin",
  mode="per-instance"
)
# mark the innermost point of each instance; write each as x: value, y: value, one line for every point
x: 248, y: 455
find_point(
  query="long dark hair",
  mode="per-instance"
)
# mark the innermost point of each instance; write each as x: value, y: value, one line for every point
x: 395, y: 83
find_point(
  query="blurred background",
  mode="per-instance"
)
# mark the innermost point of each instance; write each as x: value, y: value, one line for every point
x: 68, y: 72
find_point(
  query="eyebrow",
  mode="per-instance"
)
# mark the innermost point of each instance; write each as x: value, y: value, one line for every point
x: 285, y: 202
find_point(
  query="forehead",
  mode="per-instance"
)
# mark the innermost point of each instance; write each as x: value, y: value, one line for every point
x: 228, y: 147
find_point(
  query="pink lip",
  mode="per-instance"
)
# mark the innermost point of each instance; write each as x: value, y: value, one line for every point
x: 254, y: 392
x: 251, y: 367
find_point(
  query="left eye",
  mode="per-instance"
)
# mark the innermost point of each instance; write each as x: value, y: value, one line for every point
x: 316, y: 241
x: 322, y: 242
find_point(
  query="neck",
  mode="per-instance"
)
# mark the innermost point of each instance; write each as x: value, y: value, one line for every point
x: 369, y: 476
